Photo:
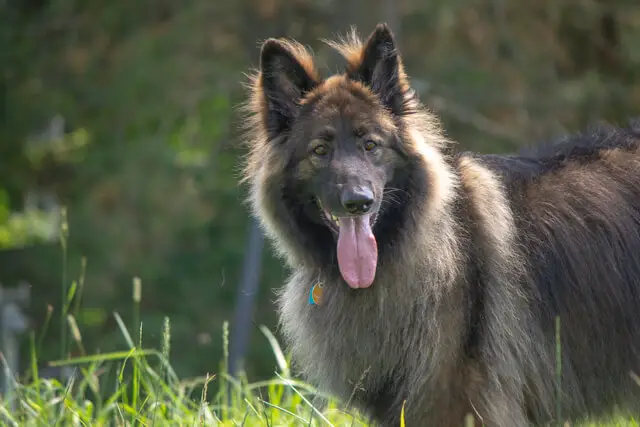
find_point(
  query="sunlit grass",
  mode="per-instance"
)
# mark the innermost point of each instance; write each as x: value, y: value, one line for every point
x: 137, y: 386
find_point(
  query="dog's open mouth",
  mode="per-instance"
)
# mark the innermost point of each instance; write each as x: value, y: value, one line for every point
x: 333, y: 222
x: 357, y: 248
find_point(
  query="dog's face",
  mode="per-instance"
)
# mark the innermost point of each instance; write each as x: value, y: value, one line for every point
x: 346, y: 155
x: 342, y: 143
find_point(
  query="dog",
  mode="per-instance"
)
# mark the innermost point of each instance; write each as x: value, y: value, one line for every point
x: 448, y: 283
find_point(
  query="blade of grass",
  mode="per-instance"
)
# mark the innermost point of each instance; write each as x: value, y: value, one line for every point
x: 277, y: 351
x: 306, y: 401
x: 64, y: 397
x: 225, y: 385
x: 45, y: 327
x: 281, y: 409
x: 83, y: 272
x: 64, y: 232
x: 34, y: 367
x: 71, y: 293
x: 123, y: 329
x: 7, y: 416
x: 136, y: 376
x: 103, y: 357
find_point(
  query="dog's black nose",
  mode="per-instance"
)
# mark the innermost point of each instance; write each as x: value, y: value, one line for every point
x: 356, y: 200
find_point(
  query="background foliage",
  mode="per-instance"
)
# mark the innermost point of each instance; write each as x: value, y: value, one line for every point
x: 125, y: 114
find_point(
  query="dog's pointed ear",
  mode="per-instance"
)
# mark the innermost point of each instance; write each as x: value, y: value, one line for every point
x: 380, y: 68
x: 287, y: 74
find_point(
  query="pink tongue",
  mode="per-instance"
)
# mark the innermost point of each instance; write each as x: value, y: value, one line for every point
x: 357, y: 251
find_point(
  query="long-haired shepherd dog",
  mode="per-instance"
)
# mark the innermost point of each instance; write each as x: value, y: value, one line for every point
x: 434, y: 279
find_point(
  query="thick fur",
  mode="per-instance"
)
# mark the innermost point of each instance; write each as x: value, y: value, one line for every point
x: 478, y: 254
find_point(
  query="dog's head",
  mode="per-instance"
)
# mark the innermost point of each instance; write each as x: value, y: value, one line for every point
x: 339, y: 141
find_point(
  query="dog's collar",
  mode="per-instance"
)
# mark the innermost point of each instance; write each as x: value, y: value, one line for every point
x: 315, y: 294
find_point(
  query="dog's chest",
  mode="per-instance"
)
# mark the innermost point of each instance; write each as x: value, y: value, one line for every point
x: 346, y: 342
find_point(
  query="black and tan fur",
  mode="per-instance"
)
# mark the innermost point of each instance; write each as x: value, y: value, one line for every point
x: 477, y: 254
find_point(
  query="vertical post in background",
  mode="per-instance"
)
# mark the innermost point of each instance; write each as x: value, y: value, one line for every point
x: 245, y: 300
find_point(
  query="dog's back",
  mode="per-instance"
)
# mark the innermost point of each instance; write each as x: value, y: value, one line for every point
x: 576, y: 205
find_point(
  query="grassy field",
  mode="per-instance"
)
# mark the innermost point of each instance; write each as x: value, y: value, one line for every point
x: 138, y: 387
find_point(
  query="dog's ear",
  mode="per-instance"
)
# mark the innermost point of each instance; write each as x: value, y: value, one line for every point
x: 287, y: 73
x: 380, y: 68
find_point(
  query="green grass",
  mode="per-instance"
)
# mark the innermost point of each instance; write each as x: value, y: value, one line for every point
x: 139, y: 387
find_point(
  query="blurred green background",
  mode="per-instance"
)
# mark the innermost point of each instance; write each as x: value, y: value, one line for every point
x: 125, y: 113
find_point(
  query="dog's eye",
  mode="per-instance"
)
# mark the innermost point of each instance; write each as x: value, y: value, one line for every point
x: 320, y: 150
x: 370, y: 145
